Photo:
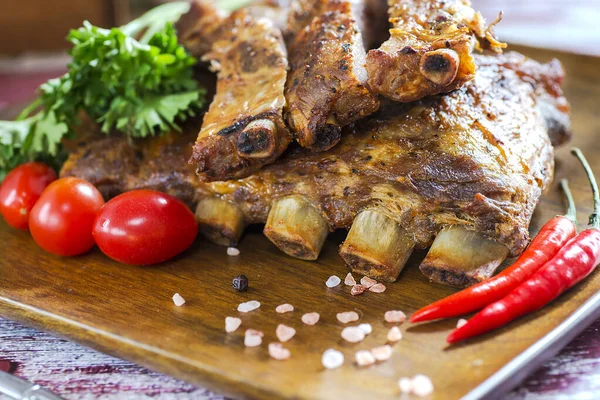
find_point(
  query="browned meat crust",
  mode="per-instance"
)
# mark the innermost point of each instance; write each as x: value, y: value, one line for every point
x: 370, y: 16
x: 429, y: 50
x: 478, y: 157
x: 198, y: 28
x: 326, y: 88
x: 275, y: 10
x: 115, y: 166
x: 244, y: 128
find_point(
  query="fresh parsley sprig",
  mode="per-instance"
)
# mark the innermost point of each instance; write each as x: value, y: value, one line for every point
x: 137, y: 86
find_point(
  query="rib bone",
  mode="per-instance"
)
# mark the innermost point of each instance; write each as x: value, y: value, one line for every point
x: 220, y: 221
x: 459, y: 257
x: 377, y: 246
x: 296, y: 227
x: 440, y: 66
x: 258, y: 139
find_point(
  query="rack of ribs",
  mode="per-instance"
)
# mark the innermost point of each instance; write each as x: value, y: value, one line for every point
x: 324, y: 90
x: 430, y: 49
x: 461, y: 173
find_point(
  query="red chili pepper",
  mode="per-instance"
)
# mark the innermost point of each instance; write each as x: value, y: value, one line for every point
x: 551, y: 238
x: 574, y: 262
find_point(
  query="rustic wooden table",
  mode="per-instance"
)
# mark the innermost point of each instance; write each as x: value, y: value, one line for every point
x: 78, y: 372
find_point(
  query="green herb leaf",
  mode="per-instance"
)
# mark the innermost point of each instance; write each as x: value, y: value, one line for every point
x: 34, y: 138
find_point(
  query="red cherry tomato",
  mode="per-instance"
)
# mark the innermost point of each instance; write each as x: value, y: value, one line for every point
x: 61, y: 221
x: 20, y: 190
x: 144, y: 227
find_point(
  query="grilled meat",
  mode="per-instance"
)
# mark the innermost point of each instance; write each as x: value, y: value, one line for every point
x: 326, y: 88
x: 471, y: 164
x: 275, y: 10
x: 114, y: 165
x: 369, y: 15
x: 244, y: 128
x: 429, y: 50
x: 200, y: 26
x: 198, y: 29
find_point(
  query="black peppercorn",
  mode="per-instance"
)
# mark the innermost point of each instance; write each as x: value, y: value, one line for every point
x: 240, y: 283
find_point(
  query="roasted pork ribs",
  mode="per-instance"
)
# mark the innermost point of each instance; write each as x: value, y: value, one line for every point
x: 430, y: 49
x: 326, y: 89
x: 464, y: 169
x: 244, y: 127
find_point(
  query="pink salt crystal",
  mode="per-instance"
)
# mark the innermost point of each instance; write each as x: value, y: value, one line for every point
x: 346, y: 317
x: 405, y: 385
x: 178, y: 300
x: 394, y: 316
x: 248, y: 306
x: 422, y: 385
x: 349, y: 280
x: 278, y: 352
x: 311, y: 318
x: 366, y: 328
x: 233, y: 252
x: 382, y: 353
x: 461, y: 322
x: 231, y: 324
x: 357, y: 289
x: 394, y: 334
x: 333, y: 281
x: 284, y: 332
x: 367, y: 282
x: 284, y: 308
x: 377, y: 288
x: 253, y: 338
x: 364, y: 358
x: 353, y: 334
x: 332, y: 359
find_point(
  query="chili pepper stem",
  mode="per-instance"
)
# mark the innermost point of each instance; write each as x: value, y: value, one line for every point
x: 571, y: 211
x: 594, y: 216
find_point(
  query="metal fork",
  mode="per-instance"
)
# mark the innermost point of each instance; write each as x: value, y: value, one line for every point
x: 20, y: 389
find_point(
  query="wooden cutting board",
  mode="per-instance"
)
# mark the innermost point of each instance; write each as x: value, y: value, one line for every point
x: 128, y: 312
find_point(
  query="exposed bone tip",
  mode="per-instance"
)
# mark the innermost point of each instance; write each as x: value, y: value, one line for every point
x: 257, y: 140
x: 440, y: 66
x: 296, y: 227
x: 326, y: 136
x: 377, y: 246
x: 220, y: 221
x: 459, y: 257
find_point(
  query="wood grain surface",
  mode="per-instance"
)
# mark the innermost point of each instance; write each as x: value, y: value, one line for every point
x: 128, y: 312
x: 77, y: 372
